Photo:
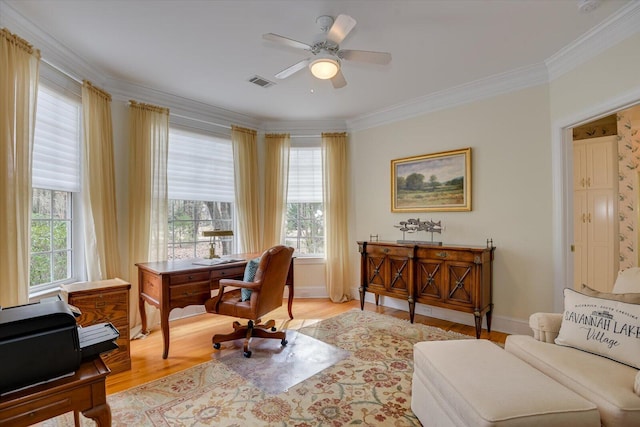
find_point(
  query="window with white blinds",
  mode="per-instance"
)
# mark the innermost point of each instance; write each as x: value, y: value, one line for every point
x: 304, y: 225
x: 200, y: 167
x: 56, y: 148
x: 305, y: 175
x: 56, y: 243
x: 201, y: 193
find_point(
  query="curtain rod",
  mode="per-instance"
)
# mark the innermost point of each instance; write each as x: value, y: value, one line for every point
x: 170, y: 112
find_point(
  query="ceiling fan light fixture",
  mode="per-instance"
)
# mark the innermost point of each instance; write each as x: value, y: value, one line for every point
x: 324, y: 68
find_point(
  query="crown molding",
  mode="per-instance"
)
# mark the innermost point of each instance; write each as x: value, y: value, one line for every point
x: 489, y: 87
x: 618, y: 27
x: 52, y: 52
x: 182, y: 110
x: 304, y: 128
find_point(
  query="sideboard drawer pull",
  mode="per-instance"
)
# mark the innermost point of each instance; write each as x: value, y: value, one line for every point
x: 441, y: 254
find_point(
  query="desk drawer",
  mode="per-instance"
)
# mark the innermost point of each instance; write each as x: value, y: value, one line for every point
x: 102, y: 307
x: 228, y: 273
x: 37, y: 410
x: 177, y: 279
x: 190, y: 290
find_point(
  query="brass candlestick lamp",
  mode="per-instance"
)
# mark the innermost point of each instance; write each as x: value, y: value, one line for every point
x: 212, y: 234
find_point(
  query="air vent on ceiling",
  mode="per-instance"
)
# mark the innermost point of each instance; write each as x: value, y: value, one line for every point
x: 260, y: 81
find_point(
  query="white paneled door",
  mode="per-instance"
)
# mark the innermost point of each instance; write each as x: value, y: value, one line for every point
x: 595, y: 222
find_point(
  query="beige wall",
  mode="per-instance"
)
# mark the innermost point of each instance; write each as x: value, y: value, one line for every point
x: 519, y: 177
x: 511, y: 180
x: 611, y: 76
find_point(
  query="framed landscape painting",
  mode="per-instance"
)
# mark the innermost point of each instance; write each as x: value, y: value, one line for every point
x: 432, y: 182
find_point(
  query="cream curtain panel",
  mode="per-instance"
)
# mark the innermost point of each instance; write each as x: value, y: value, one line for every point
x: 148, y: 148
x: 277, y: 148
x: 245, y: 162
x: 98, y: 186
x: 335, y: 197
x: 19, y: 67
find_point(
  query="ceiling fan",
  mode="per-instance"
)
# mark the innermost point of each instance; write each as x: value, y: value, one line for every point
x: 326, y: 55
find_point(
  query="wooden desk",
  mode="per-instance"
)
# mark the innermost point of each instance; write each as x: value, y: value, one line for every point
x: 83, y: 392
x: 179, y: 283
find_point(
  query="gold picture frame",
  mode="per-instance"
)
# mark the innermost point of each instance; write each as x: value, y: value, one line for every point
x: 435, y: 182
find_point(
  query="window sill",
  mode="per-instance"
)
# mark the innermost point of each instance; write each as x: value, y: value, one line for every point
x: 308, y: 259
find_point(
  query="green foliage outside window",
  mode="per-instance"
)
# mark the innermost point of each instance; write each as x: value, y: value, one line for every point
x: 305, y: 228
x: 189, y: 218
x: 50, y: 237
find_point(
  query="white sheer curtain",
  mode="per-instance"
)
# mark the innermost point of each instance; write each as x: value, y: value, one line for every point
x: 148, y: 148
x: 98, y: 186
x: 335, y: 197
x: 19, y: 66
x: 245, y: 161
x: 277, y: 148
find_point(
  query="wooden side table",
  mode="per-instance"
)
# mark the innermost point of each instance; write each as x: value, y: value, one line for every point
x: 104, y: 301
x: 85, y: 392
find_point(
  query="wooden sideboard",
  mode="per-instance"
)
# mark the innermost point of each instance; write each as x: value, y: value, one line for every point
x: 104, y: 301
x: 180, y: 283
x: 454, y: 277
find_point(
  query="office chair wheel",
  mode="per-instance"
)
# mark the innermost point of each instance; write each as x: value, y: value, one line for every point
x: 284, y: 342
x: 216, y: 346
x: 246, y: 354
x: 273, y: 329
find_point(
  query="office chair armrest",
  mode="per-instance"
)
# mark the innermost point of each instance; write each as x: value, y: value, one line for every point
x: 211, y: 305
x: 239, y: 284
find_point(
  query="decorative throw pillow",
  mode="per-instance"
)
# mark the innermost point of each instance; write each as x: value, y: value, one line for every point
x: 631, y: 298
x: 249, y: 274
x: 600, y: 326
x: 628, y: 281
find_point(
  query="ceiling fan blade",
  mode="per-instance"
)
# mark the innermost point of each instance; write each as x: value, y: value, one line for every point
x: 293, y: 69
x: 365, y: 56
x: 341, y: 28
x: 338, y: 80
x: 285, y: 41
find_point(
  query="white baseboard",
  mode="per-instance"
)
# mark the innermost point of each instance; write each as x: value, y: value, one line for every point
x: 498, y: 323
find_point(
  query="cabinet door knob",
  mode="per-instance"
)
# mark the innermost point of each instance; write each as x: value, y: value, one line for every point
x: 441, y: 254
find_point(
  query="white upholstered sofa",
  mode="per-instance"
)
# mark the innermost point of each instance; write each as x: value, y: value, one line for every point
x: 612, y: 386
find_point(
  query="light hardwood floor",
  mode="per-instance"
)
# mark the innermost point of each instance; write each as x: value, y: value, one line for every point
x: 191, y: 338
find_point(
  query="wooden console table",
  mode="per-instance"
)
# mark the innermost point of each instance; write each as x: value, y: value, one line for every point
x: 82, y: 392
x: 454, y: 277
x: 179, y: 283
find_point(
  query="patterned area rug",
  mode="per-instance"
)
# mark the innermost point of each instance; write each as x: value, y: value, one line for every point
x: 370, y: 386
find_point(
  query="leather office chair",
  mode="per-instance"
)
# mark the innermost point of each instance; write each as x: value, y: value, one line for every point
x: 266, y: 295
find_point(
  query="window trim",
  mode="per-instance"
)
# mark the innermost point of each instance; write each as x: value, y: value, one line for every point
x: 59, y: 84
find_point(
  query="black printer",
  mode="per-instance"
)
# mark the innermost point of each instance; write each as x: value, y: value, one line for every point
x: 41, y: 341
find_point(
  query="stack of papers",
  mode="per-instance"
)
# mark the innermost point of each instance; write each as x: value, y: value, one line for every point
x: 216, y: 261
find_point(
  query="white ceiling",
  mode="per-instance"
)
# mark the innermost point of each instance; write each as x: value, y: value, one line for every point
x: 207, y: 50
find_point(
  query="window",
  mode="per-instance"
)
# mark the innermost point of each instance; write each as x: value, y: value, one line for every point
x: 201, y: 193
x: 55, y: 255
x: 304, y: 228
